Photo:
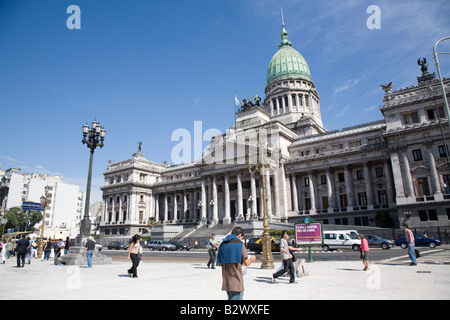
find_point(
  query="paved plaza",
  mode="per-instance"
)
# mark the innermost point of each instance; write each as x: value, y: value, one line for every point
x: 190, y: 279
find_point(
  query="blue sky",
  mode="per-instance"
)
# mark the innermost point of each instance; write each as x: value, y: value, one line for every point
x: 146, y: 68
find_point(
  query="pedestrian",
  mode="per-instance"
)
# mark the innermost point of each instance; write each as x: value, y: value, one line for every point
x: 212, y: 246
x: 66, y: 246
x: 28, y: 253
x: 9, y: 249
x: 21, y: 249
x: 410, y: 240
x: 89, y: 251
x: 286, y: 256
x: 298, y: 263
x: 3, y: 251
x: 59, y: 248
x: 195, y: 244
x: 47, y: 249
x: 34, y: 249
x: 134, y: 253
x: 447, y: 238
x: 364, y: 251
x: 232, y: 254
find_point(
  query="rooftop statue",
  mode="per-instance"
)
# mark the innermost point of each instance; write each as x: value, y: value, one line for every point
x: 387, y: 87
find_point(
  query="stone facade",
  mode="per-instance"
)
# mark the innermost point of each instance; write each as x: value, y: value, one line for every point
x: 396, y: 167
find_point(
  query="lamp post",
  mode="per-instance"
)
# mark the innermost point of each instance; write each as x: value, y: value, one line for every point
x: 261, y: 165
x: 45, y: 201
x: 93, y: 137
x: 444, y: 96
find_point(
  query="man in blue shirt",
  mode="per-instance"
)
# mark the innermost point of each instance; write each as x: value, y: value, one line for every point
x: 232, y: 254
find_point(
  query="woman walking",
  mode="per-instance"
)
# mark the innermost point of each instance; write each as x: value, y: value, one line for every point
x: 133, y: 254
x: 364, y: 252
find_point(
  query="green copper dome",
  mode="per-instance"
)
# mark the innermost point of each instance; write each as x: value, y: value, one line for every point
x: 287, y: 63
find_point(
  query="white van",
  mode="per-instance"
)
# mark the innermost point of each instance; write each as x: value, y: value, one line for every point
x: 338, y: 239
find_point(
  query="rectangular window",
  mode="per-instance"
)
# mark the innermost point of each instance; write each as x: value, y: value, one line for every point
x: 323, y: 179
x: 432, y: 214
x: 359, y: 175
x: 423, y: 215
x: 442, y: 151
x: 362, y: 199
x: 417, y: 155
x: 414, y: 117
x: 379, y: 171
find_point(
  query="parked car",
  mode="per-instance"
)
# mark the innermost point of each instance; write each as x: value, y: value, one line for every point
x: 180, y: 246
x: 376, y: 241
x: 421, y: 241
x: 118, y: 245
x: 255, y: 245
x: 339, y: 240
x: 160, y: 245
x: 98, y: 246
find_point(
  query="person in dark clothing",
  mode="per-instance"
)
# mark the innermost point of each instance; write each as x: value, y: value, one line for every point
x: 47, y: 249
x: 89, y: 251
x: 21, y: 249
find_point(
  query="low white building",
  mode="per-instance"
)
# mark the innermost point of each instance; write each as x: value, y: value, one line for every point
x: 66, y: 205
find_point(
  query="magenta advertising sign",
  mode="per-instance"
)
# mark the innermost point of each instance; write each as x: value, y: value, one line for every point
x: 309, y: 233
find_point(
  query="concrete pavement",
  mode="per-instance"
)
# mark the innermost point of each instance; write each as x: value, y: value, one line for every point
x: 192, y: 280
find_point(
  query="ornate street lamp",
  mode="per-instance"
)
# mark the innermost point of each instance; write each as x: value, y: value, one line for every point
x: 93, y: 137
x: 261, y: 166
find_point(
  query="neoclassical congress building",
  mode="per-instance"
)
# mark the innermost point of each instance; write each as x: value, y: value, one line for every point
x: 395, y: 167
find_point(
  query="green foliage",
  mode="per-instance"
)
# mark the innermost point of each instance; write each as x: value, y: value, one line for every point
x: 22, y: 221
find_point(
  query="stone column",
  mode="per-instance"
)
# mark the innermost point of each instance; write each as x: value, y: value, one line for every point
x: 268, y: 195
x: 409, y: 188
x: 330, y: 191
x: 349, y: 186
x: 312, y: 192
x: 435, y: 183
x: 294, y: 192
x: 253, y: 193
x: 203, y: 200
x: 157, y: 207
x: 175, y: 206
x: 226, y: 189
x: 276, y: 188
x: 215, y: 213
x: 166, y: 207
x: 239, y: 194
x: 185, y: 206
x: 369, y: 185
x: 398, y: 178
x: 389, y: 182
x: 194, y: 215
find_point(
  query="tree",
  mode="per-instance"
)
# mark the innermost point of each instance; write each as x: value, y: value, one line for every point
x: 22, y: 221
x: 152, y: 222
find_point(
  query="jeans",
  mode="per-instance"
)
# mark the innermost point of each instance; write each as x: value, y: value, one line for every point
x: 232, y: 295
x: 47, y: 254
x: 412, y: 253
x: 89, y: 254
